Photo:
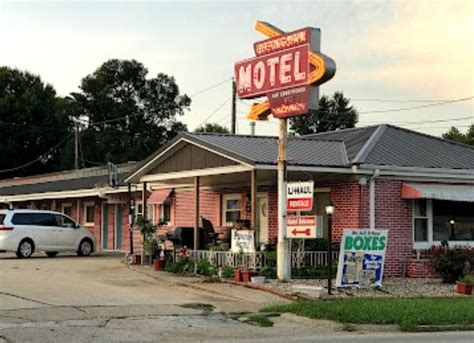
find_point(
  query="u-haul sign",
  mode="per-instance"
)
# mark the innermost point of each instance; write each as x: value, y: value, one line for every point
x: 300, y: 196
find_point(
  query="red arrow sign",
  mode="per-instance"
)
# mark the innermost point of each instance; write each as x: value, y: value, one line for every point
x: 306, y: 232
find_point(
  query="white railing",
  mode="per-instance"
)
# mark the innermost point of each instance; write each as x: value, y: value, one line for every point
x: 258, y: 259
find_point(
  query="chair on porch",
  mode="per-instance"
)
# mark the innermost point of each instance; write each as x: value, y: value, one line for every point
x: 210, y: 235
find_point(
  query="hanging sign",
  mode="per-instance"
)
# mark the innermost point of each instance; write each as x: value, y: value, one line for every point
x: 361, y: 258
x: 300, y: 196
x: 303, y: 227
x: 287, y: 69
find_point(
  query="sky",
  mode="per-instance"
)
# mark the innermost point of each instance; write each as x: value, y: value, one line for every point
x: 390, y: 55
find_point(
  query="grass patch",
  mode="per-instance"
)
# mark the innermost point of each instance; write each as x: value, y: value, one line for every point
x: 408, y: 313
x: 259, y: 320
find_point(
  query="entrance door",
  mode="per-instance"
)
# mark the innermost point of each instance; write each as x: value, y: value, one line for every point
x: 105, y: 226
x: 118, y: 227
x: 262, y: 217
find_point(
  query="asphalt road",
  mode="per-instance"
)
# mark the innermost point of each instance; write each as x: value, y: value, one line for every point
x: 99, y: 299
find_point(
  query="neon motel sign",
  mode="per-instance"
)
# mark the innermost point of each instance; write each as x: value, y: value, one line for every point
x: 287, y: 69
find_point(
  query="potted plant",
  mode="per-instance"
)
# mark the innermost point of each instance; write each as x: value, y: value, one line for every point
x: 147, y: 230
x: 465, y: 284
x: 248, y: 274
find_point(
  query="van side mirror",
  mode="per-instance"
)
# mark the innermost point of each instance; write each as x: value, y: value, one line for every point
x: 78, y: 226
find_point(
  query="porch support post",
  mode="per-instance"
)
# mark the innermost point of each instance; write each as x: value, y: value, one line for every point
x: 253, y: 201
x: 283, y: 263
x: 196, y: 213
x: 145, y: 208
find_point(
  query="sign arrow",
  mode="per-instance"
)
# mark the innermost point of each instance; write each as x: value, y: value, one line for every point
x: 306, y: 232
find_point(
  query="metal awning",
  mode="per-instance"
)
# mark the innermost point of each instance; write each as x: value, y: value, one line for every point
x: 438, y: 191
x: 159, y: 196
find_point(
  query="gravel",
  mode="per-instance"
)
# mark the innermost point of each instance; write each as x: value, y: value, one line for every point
x: 392, y: 287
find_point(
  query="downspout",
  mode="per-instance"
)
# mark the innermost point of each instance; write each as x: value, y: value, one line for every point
x: 372, y: 199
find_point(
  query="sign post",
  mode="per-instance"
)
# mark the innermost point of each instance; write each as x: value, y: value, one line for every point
x: 287, y: 69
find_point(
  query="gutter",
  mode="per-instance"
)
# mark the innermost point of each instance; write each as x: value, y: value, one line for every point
x: 372, y: 198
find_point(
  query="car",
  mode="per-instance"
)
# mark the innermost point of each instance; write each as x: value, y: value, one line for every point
x: 27, y: 231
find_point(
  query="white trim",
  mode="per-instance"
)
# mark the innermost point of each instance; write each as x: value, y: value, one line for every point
x: 336, y: 170
x: 196, y: 172
x: 229, y: 196
x: 182, y: 139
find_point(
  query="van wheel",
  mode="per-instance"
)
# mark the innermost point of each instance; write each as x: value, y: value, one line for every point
x: 51, y: 253
x: 85, y: 248
x: 26, y: 248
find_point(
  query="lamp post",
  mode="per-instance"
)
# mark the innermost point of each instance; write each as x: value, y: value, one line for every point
x: 451, y: 225
x: 329, y: 212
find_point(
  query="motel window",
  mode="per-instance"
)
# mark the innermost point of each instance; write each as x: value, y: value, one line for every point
x: 138, y: 209
x: 89, y: 209
x: 67, y: 209
x: 420, y: 220
x: 151, y: 213
x: 463, y: 215
x: 231, y: 208
x: 165, y: 211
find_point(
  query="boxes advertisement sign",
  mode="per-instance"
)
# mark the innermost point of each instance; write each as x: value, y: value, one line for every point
x: 361, y: 258
x: 300, y: 196
x: 304, y: 227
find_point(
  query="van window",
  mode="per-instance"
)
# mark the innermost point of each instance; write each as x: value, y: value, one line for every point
x: 41, y: 219
x: 65, y: 221
x: 2, y: 218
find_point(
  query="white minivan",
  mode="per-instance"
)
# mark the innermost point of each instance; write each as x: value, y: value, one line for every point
x: 27, y: 231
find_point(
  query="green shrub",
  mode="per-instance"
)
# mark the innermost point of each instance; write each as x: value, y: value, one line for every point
x: 451, y: 263
x: 204, y: 267
x: 183, y: 266
x: 227, y: 272
x: 468, y: 279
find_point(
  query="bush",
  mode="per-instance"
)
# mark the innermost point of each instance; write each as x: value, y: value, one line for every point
x: 451, y: 263
x: 204, y: 267
x: 183, y: 266
x: 227, y: 272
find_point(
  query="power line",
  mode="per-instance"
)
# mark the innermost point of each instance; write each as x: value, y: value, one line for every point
x: 417, y: 107
x: 210, y: 87
x: 38, y: 159
x: 34, y: 126
x: 395, y: 100
x: 214, y: 112
x: 425, y: 122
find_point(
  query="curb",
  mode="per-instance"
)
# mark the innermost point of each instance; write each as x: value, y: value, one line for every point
x: 272, y: 291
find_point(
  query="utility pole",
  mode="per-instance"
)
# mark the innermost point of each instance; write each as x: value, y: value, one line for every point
x: 234, y: 107
x: 283, y: 265
x: 76, y: 145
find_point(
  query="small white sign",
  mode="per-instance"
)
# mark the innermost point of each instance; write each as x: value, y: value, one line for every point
x: 243, y: 241
x: 300, y: 196
x: 302, y: 227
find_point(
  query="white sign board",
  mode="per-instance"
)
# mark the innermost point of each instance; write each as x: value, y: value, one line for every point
x: 303, y: 227
x: 243, y: 241
x: 300, y: 196
x: 361, y: 258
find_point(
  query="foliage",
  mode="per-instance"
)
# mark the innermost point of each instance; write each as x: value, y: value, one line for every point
x: 451, y: 263
x: 227, y: 272
x: 453, y: 134
x: 259, y: 320
x: 467, y: 279
x: 401, y: 311
x: 151, y: 245
x: 183, y: 266
x: 333, y: 113
x: 146, y: 227
x: 268, y: 272
x: 212, y: 127
x: 128, y: 115
x: 31, y: 122
x: 318, y: 244
x: 204, y: 267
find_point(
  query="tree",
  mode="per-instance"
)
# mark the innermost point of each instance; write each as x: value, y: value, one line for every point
x: 453, y: 134
x: 333, y: 113
x: 126, y: 116
x: 212, y: 127
x: 31, y: 123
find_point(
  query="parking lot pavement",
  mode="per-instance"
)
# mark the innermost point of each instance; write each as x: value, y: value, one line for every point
x: 99, y: 298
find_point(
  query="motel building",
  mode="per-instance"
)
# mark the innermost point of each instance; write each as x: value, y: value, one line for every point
x: 418, y: 187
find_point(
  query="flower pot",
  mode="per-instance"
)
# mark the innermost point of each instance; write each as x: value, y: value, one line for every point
x: 159, y: 264
x: 136, y: 259
x: 237, y: 275
x: 464, y: 288
x: 246, y: 275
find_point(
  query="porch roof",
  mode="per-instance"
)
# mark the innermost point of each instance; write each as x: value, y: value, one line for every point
x: 463, y: 193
